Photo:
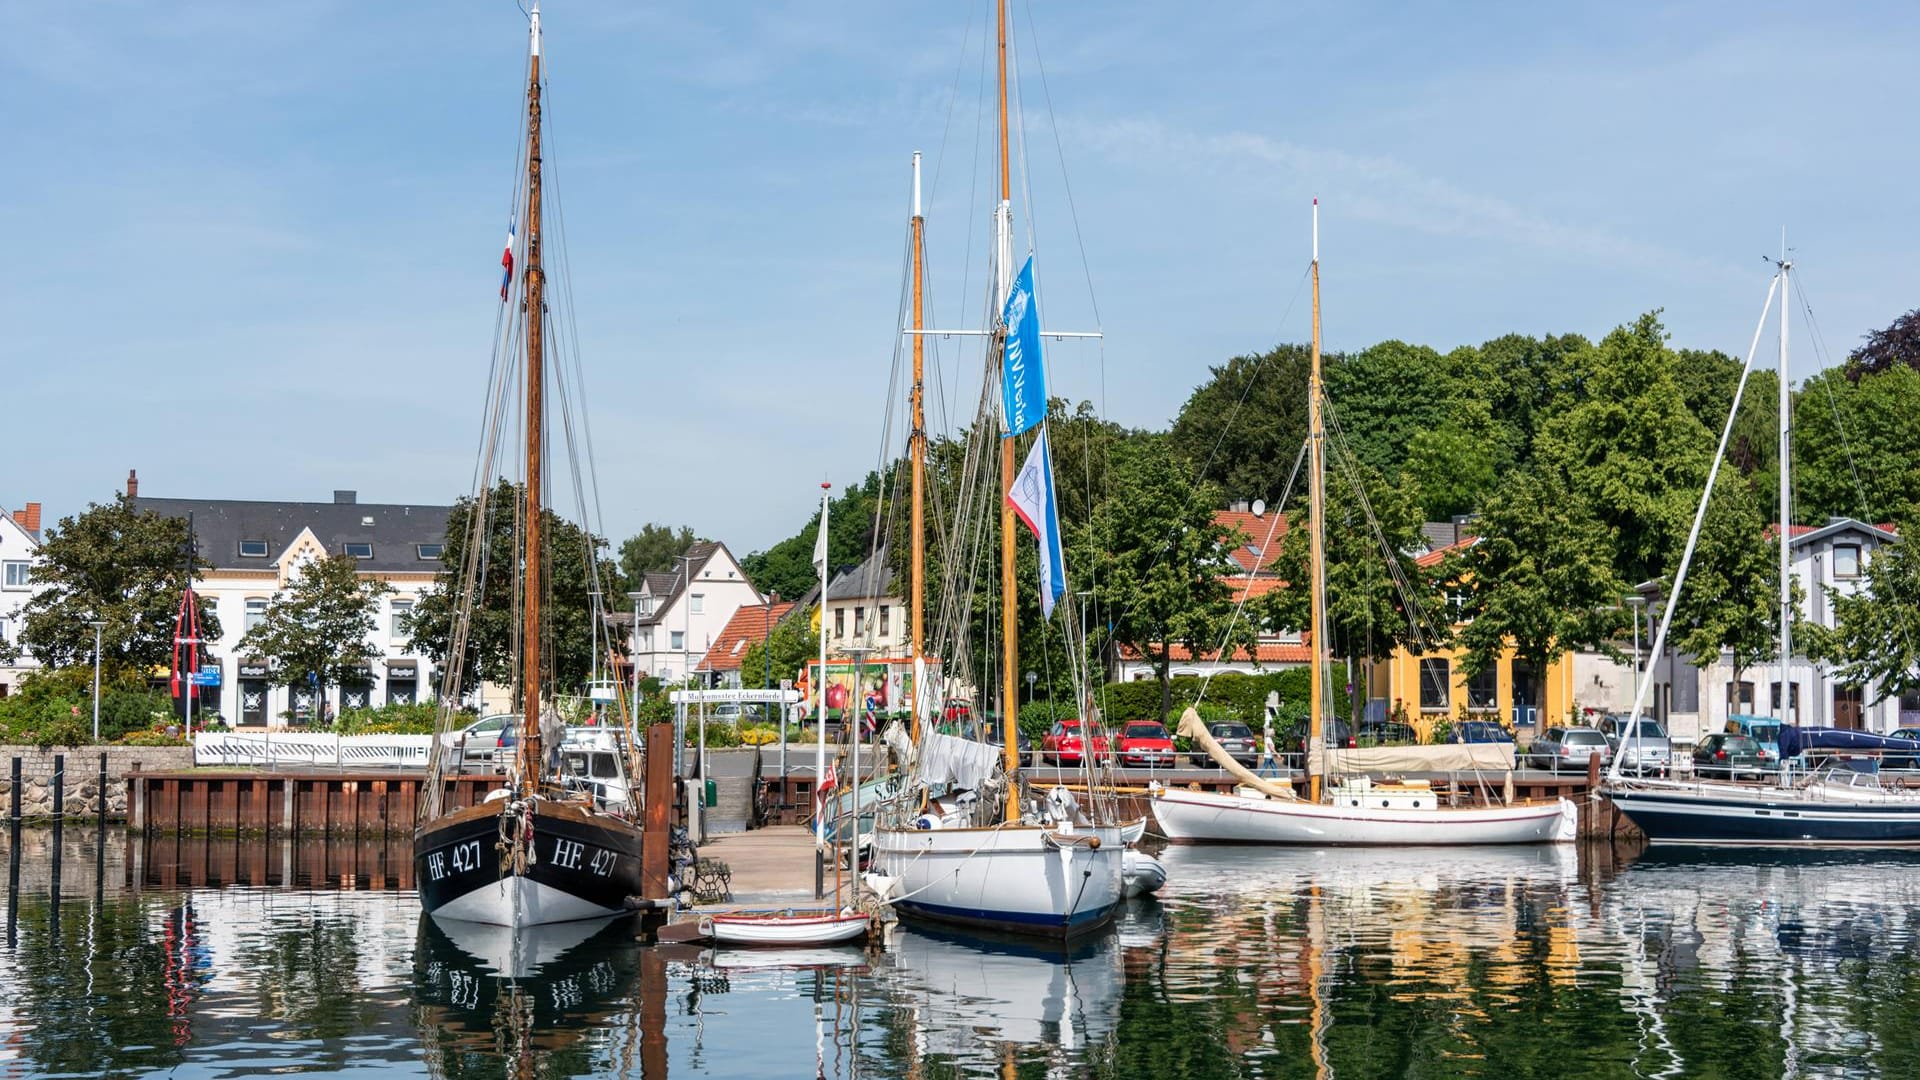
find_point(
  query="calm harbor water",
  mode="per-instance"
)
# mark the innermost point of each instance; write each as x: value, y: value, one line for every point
x: 231, y: 958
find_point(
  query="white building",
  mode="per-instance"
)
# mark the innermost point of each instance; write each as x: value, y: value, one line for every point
x: 19, y: 547
x: 1695, y: 700
x: 677, y: 615
x: 862, y: 612
x: 257, y: 548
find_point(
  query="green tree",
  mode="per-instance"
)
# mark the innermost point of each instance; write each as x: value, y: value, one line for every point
x: 1162, y: 565
x: 574, y: 560
x: 792, y: 644
x: 1386, y: 394
x: 1856, y: 446
x: 1898, y: 345
x: 1452, y: 468
x: 653, y: 549
x: 120, y: 565
x: 1540, y: 580
x: 1730, y: 598
x: 1631, y: 450
x: 318, y: 626
x: 1875, y: 639
x: 1244, y: 426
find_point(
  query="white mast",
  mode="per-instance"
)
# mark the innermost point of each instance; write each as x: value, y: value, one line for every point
x: 820, y: 712
x: 1786, y: 499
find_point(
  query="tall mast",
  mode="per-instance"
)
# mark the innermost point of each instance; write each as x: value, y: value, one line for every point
x: 530, y: 751
x: 1785, y: 708
x: 917, y: 603
x: 1003, y: 277
x: 1316, y: 507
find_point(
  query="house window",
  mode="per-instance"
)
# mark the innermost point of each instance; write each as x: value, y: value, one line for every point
x: 358, y: 550
x: 1457, y: 606
x: 1483, y: 689
x: 253, y: 549
x: 1793, y: 696
x: 1436, y: 684
x: 19, y: 574
x: 677, y: 640
x: 256, y: 611
x: 1846, y: 560
x: 886, y: 618
x: 429, y: 552
x: 6, y: 632
x: 1740, y: 697
x: 839, y: 622
x: 646, y: 606
x: 402, y: 611
x: 859, y: 620
x: 699, y: 602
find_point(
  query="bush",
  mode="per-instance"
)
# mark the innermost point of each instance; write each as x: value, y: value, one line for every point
x: 152, y: 738
x: 1244, y: 695
x: 421, y: 718
x: 1038, y: 717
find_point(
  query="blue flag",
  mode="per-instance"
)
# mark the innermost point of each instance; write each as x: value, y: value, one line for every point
x: 1033, y: 501
x: 1023, y: 381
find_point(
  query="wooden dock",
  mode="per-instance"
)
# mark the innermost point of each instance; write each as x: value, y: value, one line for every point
x: 371, y: 803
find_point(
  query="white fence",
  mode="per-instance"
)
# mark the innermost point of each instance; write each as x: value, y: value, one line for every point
x: 309, y: 749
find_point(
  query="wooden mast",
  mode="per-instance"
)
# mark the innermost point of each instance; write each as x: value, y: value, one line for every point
x: 917, y: 603
x: 530, y: 751
x: 1316, y: 509
x: 1009, y: 624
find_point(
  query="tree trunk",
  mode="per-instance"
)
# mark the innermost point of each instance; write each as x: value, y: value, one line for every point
x: 1166, y: 691
x: 1540, y: 693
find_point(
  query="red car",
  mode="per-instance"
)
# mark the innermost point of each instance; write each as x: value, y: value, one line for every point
x: 1146, y: 742
x: 1065, y: 743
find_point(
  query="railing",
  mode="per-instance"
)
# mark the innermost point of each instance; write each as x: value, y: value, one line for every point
x: 311, y: 749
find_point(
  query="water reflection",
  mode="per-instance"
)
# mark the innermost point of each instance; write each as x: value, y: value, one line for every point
x: 1519, y: 962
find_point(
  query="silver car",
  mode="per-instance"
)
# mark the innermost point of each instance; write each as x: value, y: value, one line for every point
x: 1645, y: 751
x: 1568, y: 748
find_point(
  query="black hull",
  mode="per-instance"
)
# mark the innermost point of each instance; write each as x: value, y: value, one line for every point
x: 1679, y: 817
x: 584, y: 866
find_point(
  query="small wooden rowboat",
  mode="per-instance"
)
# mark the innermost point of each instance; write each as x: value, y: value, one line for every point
x: 790, y: 926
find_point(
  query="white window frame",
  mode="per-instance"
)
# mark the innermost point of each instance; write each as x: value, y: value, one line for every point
x: 1857, y: 559
x: 676, y: 640
x: 23, y: 568
x: 420, y: 552
x: 264, y: 552
x: 398, y: 610
x: 698, y: 602
x: 347, y: 548
x: 249, y: 621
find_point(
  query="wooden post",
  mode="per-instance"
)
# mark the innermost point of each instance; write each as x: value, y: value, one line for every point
x: 658, y: 820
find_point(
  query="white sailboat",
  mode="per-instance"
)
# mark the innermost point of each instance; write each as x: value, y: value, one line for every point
x: 1038, y: 867
x: 1356, y: 810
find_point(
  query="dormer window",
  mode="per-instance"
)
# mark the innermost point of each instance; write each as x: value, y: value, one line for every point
x: 253, y: 549
x: 358, y: 550
x: 429, y: 552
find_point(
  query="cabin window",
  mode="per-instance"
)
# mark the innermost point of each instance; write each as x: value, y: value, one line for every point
x: 1483, y: 689
x: 19, y: 574
x: 256, y: 611
x: 1436, y: 684
x: 358, y: 550
x: 429, y: 552
x: 253, y: 549
x: 1846, y: 560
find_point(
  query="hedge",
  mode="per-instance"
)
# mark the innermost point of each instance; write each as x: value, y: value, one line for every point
x: 1243, y: 696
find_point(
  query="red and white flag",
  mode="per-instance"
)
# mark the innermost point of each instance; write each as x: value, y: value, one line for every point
x: 506, y: 262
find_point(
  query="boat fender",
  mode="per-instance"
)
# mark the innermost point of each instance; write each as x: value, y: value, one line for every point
x: 706, y: 926
x: 497, y: 794
x: 926, y: 821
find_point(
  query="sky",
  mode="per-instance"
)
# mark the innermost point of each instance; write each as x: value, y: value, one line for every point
x: 253, y: 249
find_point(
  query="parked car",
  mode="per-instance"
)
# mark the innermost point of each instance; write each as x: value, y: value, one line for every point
x: 995, y: 735
x: 1146, y: 743
x: 1648, y: 751
x: 488, y: 740
x: 1569, y: 748
x: 1728, y: 756
x: 1764, y: 730
x: 1387, y: 733
x: 1480, y: 731
x: 1898, y: 760
x: 1237, y: 739
x: 1334, y: 733
x: 1067, y: 742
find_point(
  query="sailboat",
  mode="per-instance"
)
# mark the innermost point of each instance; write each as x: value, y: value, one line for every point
x: 1837, y: 808
x: 1357, y: 810
x: 980, y: 854
x: 561, y: 839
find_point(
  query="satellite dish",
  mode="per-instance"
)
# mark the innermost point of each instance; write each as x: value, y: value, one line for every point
x: 1259, y: 507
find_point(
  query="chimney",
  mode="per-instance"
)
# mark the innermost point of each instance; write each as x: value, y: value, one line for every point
x: 345, y: 498
x: 29, y: 518
x: 1239, y: 506
x: 133, y: 484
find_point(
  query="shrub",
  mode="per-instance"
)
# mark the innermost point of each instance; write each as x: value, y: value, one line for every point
x: 1245, y: 695
x: 152, y: 738
x: 420, y: 718
x: 1038, y: 717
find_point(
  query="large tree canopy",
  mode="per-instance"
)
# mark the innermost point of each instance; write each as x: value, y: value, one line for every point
x: 653, y: 548
x: 125, y: 567
x: 321, y: 625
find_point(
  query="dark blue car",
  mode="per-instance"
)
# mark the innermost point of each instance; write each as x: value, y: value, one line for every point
x: 1480, y: 731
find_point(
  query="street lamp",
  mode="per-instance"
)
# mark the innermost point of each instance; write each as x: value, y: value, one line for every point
x: 97, y: 625
x: 1032, y: 677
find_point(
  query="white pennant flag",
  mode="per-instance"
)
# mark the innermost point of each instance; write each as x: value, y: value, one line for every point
x: 1032, y: 499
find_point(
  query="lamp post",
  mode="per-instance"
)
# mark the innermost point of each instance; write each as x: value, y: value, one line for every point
x: 97, y: 625
x: 1032, y: 677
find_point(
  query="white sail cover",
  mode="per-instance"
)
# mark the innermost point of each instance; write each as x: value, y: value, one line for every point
x: 949, y: 759
x: 1445, y: 757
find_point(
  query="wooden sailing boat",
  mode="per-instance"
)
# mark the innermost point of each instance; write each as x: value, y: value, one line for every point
x: 1357, y: 810
x: 549, y: 846
x: 1044, y: 870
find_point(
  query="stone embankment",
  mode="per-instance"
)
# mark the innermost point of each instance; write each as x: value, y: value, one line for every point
x: 82, y: 786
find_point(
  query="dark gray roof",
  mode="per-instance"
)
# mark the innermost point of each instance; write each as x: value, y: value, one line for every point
x: 665, y: 585
x: 221, y: 524
x: 871, y: 578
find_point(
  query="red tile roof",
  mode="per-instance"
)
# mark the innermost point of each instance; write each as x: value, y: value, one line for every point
x: 1245, y: 588
x: 1437, y: 555
x: 749, y: 625
x: 1256, y: 530
x: 1268, y: 653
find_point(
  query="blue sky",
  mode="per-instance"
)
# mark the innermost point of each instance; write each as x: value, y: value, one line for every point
x: 253, y: 247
